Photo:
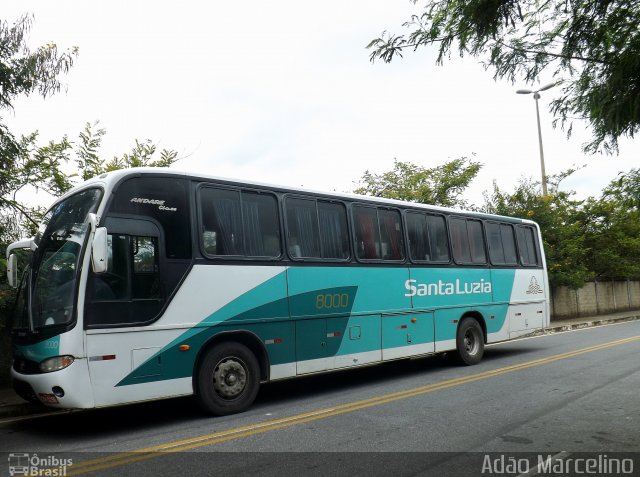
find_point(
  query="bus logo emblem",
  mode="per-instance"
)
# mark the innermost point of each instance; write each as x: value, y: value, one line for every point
x: 534, y: 287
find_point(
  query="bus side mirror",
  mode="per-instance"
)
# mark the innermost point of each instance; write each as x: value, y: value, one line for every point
x: 12, y: 270
x: 99, y: 250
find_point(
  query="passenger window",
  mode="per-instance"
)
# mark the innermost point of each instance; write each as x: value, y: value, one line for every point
x: 317, y: 229
x: 502, y: 246
x: 367, y: 233
x: 427, y: 237
x: 334, y: 232
x: 391, y: 234
x: 302, y: 228
x: 476, y: 241
x: 438, y: 238
x: 222, y: 221
x: 527, y: 246
x: 261, y: 226
x: 236, y: 223
x: 378, y: 234
x: 467, y: 241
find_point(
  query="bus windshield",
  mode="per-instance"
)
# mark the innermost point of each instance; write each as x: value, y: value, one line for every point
x: 56, y: 262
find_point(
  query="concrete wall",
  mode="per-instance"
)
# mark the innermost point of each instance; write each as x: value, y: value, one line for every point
x: 595, y: 298
x: 634, y: 295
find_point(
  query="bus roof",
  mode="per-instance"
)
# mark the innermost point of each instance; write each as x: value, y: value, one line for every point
x: 109, y: 179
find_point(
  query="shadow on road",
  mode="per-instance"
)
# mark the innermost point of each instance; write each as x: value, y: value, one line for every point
x: 184, y: 412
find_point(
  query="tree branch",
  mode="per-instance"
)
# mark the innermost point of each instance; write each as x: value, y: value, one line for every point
x: 13, y: 204
x: 554, y: 55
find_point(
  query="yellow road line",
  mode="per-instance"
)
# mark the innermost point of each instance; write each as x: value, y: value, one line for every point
x: 245, y: 431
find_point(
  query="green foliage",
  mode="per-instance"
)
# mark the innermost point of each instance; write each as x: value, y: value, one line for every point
x: 50, y: 168
x: 612, y: 229
x: 592, y: 46
x: 142, y: 154
x: 22, y: 71
x: 556, y: 214
x: 596, y: 238
x: 440, y: 185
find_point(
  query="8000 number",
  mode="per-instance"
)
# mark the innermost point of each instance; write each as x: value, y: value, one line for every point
x: 332, y: 301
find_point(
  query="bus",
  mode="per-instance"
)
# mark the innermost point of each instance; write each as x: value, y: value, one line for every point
x: 146, y: 283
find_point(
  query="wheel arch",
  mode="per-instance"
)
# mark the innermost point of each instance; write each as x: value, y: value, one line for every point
x: 244, y: 337
x: 475, y: 314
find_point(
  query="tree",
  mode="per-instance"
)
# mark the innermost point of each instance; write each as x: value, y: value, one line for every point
x: 46, y: 168
x: 23, y: 72
x: 442, y: 185
x: 24, y: 163
x: 557, y: 215
x: 142, y: 154
x: 612, y: 228
x: 591, y: 46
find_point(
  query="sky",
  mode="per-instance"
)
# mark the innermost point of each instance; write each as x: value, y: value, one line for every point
x: 284, y: 92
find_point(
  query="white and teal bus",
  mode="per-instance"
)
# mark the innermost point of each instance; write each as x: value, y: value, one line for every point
x: 146, y: 284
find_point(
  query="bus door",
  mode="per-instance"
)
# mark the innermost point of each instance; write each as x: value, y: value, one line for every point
x: 128, y: 296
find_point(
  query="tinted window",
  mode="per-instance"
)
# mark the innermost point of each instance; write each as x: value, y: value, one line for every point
x: 145, y: 281
x: 130, y: 291
x: 317, y: 229
x: 222, y: 222
x: 427, y: 238
x: 438, y: 238
x: 459, y: 240
x: 527, y: 246
x: 334, y: 232
x: 476, y: 241
x: 302, y: 228
x: 367, y: 233
x: 261, y: 226
x: 502, y: 246
x: 467, y: 241
x: 163, y: 199
x: 239, y: 223
x: 391, y: 234
x: 378, y: 234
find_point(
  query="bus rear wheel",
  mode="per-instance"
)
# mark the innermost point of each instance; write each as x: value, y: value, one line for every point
x: 469, y: 342
x: 228, y: 379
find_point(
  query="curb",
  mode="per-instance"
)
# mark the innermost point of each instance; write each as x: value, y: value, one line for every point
x: 588, y: 324
x: 17, y: 410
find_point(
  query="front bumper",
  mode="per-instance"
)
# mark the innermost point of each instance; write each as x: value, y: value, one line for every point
x: 69, y: 388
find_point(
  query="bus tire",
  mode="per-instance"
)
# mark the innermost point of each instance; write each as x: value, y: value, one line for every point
x: 469, y: 342
x: 228, y: 379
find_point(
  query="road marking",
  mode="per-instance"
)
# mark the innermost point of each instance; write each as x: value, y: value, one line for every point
x: 117, y: 460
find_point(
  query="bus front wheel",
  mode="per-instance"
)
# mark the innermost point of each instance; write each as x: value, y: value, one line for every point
x: 228, y: 379
x: 469, y: 342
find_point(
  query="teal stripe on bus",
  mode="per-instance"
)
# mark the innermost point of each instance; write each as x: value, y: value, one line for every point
x: 326, y: 306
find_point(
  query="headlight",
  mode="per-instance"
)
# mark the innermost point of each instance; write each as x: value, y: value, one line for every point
x: 55, y: 364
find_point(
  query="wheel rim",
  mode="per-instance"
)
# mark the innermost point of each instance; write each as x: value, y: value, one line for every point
x: 230, y: 378
x: 471, y: 342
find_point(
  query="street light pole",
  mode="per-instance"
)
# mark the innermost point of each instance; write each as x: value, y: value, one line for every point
x: 536, y: 96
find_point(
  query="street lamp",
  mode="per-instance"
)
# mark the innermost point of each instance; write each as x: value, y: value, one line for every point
x: 536, y: 96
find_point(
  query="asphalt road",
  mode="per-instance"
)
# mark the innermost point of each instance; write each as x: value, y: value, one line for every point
x: 554, y: 395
